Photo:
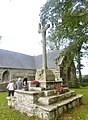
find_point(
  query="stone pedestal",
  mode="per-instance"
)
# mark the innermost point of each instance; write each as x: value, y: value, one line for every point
x: 11, y: 100
x: 45, y: 104
x: 46, y: 77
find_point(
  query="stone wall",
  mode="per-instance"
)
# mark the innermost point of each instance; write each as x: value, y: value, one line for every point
x: 15, y: 73
x: 3, y: 87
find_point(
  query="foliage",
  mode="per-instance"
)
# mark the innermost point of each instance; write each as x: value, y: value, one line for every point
x: 34, y: 82
x: 84, y: 84
x: 85, y: 78
x: 84, y: 81
x: 69, y: 20
x: 66, y: 19
x: 59, y: 88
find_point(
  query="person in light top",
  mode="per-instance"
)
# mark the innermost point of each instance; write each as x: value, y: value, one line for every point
x: 11, y: 87
x: 19, y: 84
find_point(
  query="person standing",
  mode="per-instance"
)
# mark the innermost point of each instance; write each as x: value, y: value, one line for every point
x: 11, y: 87
x: 25, y: 84
x: 19, y: 84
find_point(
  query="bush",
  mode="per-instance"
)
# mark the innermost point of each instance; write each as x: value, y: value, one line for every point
x: 85, y: 78
x: 84, y: 84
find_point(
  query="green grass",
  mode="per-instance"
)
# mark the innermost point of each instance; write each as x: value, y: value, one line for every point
x: 78, y: 113
x: 7, y: 113
x: 81, y: 112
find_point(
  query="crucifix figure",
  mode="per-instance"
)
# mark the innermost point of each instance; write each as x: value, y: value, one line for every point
x: 42, y: 29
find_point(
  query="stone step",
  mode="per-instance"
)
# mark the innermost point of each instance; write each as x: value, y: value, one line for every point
x: 51, y: 111
x: 48, y: 100
x: 49, y: 92
x: 53, y: 92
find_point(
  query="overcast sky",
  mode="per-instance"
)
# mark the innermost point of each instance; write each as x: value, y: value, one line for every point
x: 19, y: 26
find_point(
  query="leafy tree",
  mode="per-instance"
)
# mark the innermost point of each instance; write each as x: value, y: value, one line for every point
x: 66, y: 18
x: 69, y: 20
x: 79, y: 65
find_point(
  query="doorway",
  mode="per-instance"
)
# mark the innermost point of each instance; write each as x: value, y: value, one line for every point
x: 5, y: 76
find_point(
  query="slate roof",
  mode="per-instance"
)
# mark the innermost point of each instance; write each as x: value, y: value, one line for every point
x: 50, y: 59
x: 9, y: 59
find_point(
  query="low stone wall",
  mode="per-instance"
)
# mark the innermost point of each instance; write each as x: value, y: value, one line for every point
x: 3, y: 87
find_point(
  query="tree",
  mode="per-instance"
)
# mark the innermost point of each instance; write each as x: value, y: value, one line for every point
x: 65, y: 17
x: 69, y: 20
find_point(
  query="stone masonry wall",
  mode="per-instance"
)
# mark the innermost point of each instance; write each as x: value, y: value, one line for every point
x: 13, y: 74
x: 3, y: 87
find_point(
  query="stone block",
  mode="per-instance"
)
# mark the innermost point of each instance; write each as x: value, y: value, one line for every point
x: 35, y: 88
x: 64, y: 108
x: 73, y: 104
x: 69, y: 94
x: 69, y: 106
x: 60, y: 110
x: 49, y: 92
x: 66, y: 89
x: 48, y: 100
x: 62, y: 96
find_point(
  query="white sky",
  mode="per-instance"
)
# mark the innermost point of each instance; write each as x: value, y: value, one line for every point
x: 19, y: 21
x: 19, y: 27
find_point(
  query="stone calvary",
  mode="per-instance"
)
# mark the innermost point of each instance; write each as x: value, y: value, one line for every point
x: 48, y: 95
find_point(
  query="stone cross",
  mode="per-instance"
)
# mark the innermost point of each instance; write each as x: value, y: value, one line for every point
x: 42, y: 29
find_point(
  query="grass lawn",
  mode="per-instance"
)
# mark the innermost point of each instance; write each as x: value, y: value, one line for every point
x: 78, y: 113
x: 7, y: 113
x: 81, y: 112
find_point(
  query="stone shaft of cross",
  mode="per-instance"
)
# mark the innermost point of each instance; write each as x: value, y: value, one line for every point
x: 42, y: 30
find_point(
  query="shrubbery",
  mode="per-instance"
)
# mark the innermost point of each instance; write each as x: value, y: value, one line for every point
x: 84, y: 82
